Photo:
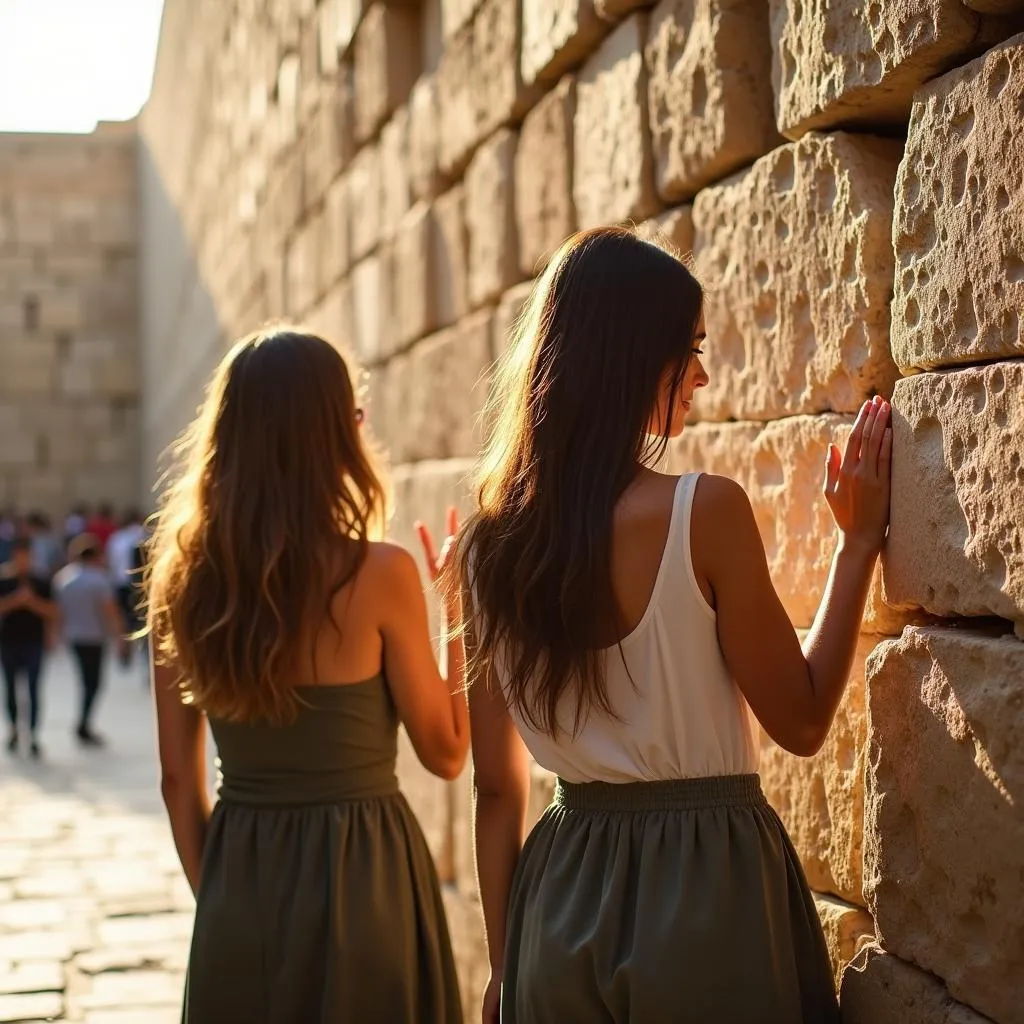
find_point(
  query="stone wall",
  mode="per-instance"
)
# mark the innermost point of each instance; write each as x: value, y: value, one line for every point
x: 847, y: 176
x: 69, y: 385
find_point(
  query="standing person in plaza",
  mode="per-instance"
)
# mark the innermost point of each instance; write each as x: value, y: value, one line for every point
x: 122, y: 550
x: 277, y: 616
x: 75, y: 523
x: 26, y: 613
x: 47, y: 551
x: 624, y: 629
x: 102, y: 524
x: 89, y: 619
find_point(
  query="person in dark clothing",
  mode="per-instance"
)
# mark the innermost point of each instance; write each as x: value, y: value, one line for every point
x: 26, y: 610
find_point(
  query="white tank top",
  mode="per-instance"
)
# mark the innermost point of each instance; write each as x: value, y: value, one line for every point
x: 681, y: 715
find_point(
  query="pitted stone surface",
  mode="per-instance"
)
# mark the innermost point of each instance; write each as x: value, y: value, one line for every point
x: 796, y: 259
x: 781, y: 466
x: 859, y: 61
x: 821, y: 798
x: 879, y: 988
x: 958, y: 229
x: 387, y: 62
x: 956, y: 544
x: 613, y: 171
x: 945, y: 771
x: 710, y: 113
x: 673, y: 228
x: 557, y: 36
x: 491, y: 218
x: 545, y: 210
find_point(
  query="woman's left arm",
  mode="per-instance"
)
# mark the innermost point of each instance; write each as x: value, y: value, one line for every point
x: 182, y: 745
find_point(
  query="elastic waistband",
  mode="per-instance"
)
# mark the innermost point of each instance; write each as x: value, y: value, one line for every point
x: 280, y: 798
x: 663, y: 795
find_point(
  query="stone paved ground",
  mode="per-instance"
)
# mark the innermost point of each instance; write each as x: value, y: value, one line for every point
x: 95, y: 914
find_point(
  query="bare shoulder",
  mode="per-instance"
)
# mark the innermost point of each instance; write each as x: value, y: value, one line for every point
x: 390, y: 565
x: 721, y: 508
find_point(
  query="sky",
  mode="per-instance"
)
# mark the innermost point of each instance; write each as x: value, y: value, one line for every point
x: 66, y: 64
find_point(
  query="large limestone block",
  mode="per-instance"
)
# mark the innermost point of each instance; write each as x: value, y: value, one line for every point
x: 781, y: 466
x: 821, y: 798
x: 878, y: 988
x: 673, y: 230
x: 412, y: 276
x: 444, y: 391
x: 796, y: 259
x: 491, y: 218
x: 710, y: 112
x: 959, y: 220
x: 455, y: 14
x: 303, y: 271
x: 332, y: 319
x: 29, y: 367
x: 847, y: 930
x: 480, y: 84
x: 425, y: 177
x: 943, y: 826
x: 558, y: 35
x: 859, y: 61
x: 958, y: 493
x: 336, y: 255
x: 366, y: 311
x: 545, y: 211
x: 365, y: 201
x: 387, y: 62
x: 613, y: 170
x: 508, y: 316
x: 396, y: 192
x: 451, y: 255
x: 328, y: 144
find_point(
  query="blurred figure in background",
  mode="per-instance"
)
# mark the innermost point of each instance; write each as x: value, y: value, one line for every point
x: 102, y: 525
x: 75, y: 522
x: 123, y: 564
x: 8, y: 531
x: 47, y: 550
x: 89, y: 618
x: 26, y: 612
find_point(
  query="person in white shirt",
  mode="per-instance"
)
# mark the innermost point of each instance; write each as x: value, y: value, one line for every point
x: 121, y: 562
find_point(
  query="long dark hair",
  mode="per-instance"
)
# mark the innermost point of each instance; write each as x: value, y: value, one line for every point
x: 275, y: 482
x: 569, y: 415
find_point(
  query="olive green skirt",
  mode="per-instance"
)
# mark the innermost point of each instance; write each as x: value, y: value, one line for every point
x: 319, y: 915
x: 669, y: 901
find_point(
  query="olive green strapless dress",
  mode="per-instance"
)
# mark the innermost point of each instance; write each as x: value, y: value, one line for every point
x: 319, y: 901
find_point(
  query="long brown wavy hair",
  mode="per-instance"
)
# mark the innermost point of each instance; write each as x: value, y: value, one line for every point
x: 569, y: 416
x: 274, y: 488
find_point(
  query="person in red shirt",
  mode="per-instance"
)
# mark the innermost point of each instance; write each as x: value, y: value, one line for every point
x: 102, y: 525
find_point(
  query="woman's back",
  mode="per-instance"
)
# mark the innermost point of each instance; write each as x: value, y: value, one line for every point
x: 678, y: 713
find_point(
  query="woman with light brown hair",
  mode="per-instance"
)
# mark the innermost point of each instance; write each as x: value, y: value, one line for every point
x: 623, y: 629
x: 276, y: 616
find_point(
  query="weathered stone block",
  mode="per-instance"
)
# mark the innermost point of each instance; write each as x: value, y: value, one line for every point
x: 445, y: 392
x: 710, y: 113
x: 878, y: 988
x: 781, y: 466
x: 387, y: 62
x: 672, y: 229
x: 455, y: 14
x: 366, y: 309
x: 336, y: 254
x: 959, y: 217
x: 491, y: 218
x: 796, y: 259
x: 303, y: 273
x: 480, y: 86
x: 333, y: 319
x: 507, y: 316
x: 28, y: 367
x: 545, y: 210
x: 365, y: 201
x: 613, y: 10
x: 451, y: 241
x: 328, y: 143
x: 425, y: 177
x: 414, y: 285
x: 847, y: 930
x: 958, y: 493
x: 945, y: 769
x: 557, y: 35
x: 396, y: 195
x: 856, y: 62
x: 821, y: 798
x: 613, y: 170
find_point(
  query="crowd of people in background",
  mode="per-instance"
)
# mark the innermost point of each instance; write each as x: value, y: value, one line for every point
x: 79, y: 584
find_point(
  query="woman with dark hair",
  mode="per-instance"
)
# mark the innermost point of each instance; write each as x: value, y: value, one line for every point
x: 623, y: 628
x: 276, y: 616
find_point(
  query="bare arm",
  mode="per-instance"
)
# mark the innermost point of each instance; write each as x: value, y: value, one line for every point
x: 432, y: 707
x: 794, y: 693
x: 182, y: 750
x: 501, y: 787
x: 44, y: 607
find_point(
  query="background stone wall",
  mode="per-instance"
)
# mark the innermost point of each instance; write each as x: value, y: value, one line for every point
x: 848, y: 177
x: 69, y: 339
